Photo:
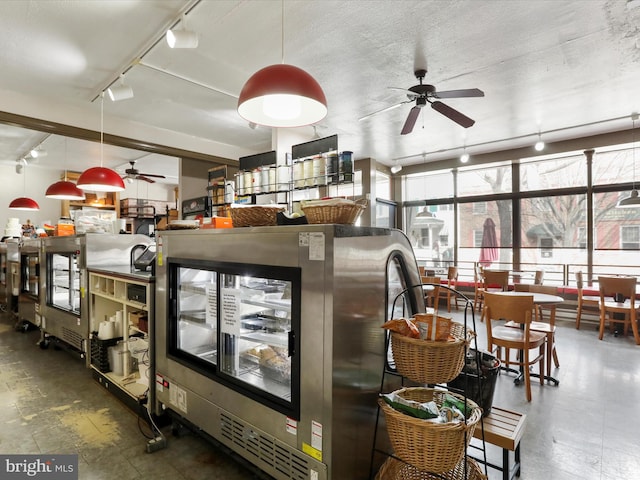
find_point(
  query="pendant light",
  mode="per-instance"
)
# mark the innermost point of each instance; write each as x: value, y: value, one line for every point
x: 64, y: 189
x: 101, y: 179
x: 282, y: 95
x: 24, y: 203
x: 633, y: 200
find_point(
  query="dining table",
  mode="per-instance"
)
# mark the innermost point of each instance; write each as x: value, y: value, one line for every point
x: 538, y: 299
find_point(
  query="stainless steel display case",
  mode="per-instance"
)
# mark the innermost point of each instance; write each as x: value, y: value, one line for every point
x: 29, y: 299
x: 64, y: 309
x: 268, y: 339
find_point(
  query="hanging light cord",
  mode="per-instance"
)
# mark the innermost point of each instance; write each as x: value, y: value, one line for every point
x: 282, y: 39
x: 633, y: 148
x: 101, y: 127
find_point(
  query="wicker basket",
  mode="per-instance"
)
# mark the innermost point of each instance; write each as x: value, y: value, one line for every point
x: 340, y: 213
x: 393, y: 469
x: 430, y: 362
x: 434, y: 447
x: 255, y: 216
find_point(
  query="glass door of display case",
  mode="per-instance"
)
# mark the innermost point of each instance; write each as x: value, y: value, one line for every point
x: 238, y: 324
x: 63, y: 281
x: 30, y: 273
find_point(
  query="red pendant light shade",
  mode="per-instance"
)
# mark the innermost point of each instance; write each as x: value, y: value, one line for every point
x: 24, y: 203
x: 282, y: 96
x: 100, y: 179
x: 64, y: 190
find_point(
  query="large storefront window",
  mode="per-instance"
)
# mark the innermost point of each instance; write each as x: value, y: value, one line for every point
x: 428, y: 185
x: 552, y: 173
x: 474, y: 181
x: 485, y: 234
x: 430, y: 230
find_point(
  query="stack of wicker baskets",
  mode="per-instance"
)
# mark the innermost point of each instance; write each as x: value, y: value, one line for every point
x: 430, y: 450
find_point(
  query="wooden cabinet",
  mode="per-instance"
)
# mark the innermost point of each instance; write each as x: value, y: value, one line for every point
x: 102, y: 200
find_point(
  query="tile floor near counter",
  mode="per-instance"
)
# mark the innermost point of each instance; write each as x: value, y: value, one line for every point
x: 585, y: 428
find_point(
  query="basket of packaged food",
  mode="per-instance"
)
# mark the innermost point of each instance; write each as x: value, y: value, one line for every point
x: 333, y: 210
x: 428, y: 428
x: 429, y: 348
x: 255, y: 215
x: 393, y: 469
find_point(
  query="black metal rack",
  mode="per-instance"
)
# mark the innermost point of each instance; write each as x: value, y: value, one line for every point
x: 389, y: 369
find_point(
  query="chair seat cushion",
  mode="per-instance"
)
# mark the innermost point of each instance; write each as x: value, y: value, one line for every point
x: 535, y: 326
x: 510, y: 334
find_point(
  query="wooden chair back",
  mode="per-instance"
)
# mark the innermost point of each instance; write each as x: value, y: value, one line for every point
x: 579, y: 282
x: 518, y: 308
x: 521, y: 287
x: 539, y: 277
x: 611, y: 287
x: 431, y: 296
x: 496, y: 279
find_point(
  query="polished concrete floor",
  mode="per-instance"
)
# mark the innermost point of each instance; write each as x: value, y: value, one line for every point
x: 585, y: 428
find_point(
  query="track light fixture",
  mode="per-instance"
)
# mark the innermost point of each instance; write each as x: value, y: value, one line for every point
x: 539, y: 146
x: 182, y: 38
x: 396, y: 168
x: 121, y: 91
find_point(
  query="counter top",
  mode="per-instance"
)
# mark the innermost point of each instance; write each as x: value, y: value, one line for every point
x: 124, y: 271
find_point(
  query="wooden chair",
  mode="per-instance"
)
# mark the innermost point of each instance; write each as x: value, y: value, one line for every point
x: 589, y: 301
x: 452, y: 282
x: 618, y: 297
x: 431, y: 296
x: 539, y: 277
x: 542, y: 326
x: 519, y: 309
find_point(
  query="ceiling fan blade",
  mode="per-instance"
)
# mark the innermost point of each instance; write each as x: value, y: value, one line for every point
x: 453, y: 114
x: 469, y: 92
x: 411, y: 120
x: 146, y: 179
x: 385, y: 110
x: 152, y: 175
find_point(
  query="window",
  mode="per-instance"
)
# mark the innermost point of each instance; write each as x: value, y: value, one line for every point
x: 582, y: 238
x: 630, y: 237
x: 477, y: 238
x: 489, y: 179
x: 426, y: 186
x: 480, y: 208
x: 551, y: 173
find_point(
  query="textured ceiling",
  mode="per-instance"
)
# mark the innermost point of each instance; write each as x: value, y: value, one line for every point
x: 563, y: 68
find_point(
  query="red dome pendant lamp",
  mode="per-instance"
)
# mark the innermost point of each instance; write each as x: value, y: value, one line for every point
x: 101, y: 179
x: 64, y: 189
x: 24, y: 203
x: 282, y: 95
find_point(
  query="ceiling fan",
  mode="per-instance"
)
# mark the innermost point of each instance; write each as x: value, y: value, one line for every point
x: 133, y: 173
x: 422, y: 94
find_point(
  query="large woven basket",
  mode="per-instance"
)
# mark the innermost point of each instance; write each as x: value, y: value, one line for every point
x: 255, y: 216
x: 340, y: 213
x: 434, y: 447
x: 393, y: 469
x: 428, y: 361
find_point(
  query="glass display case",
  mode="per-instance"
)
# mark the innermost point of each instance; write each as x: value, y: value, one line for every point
x: 238, y: 327
x: 63, y: 281
x: 268, y: 339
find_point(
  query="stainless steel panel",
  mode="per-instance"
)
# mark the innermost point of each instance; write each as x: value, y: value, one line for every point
x: 345, y: 292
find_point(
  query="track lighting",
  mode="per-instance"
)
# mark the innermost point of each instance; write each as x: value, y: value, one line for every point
x: 120, y: 92
x: 539, y: 146
x: 19, y: 168
x: 37, y: 153
x: 182, y: 38
x: 396, y: 168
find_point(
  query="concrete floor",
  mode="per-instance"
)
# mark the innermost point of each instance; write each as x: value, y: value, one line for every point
x: 585, y: 428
